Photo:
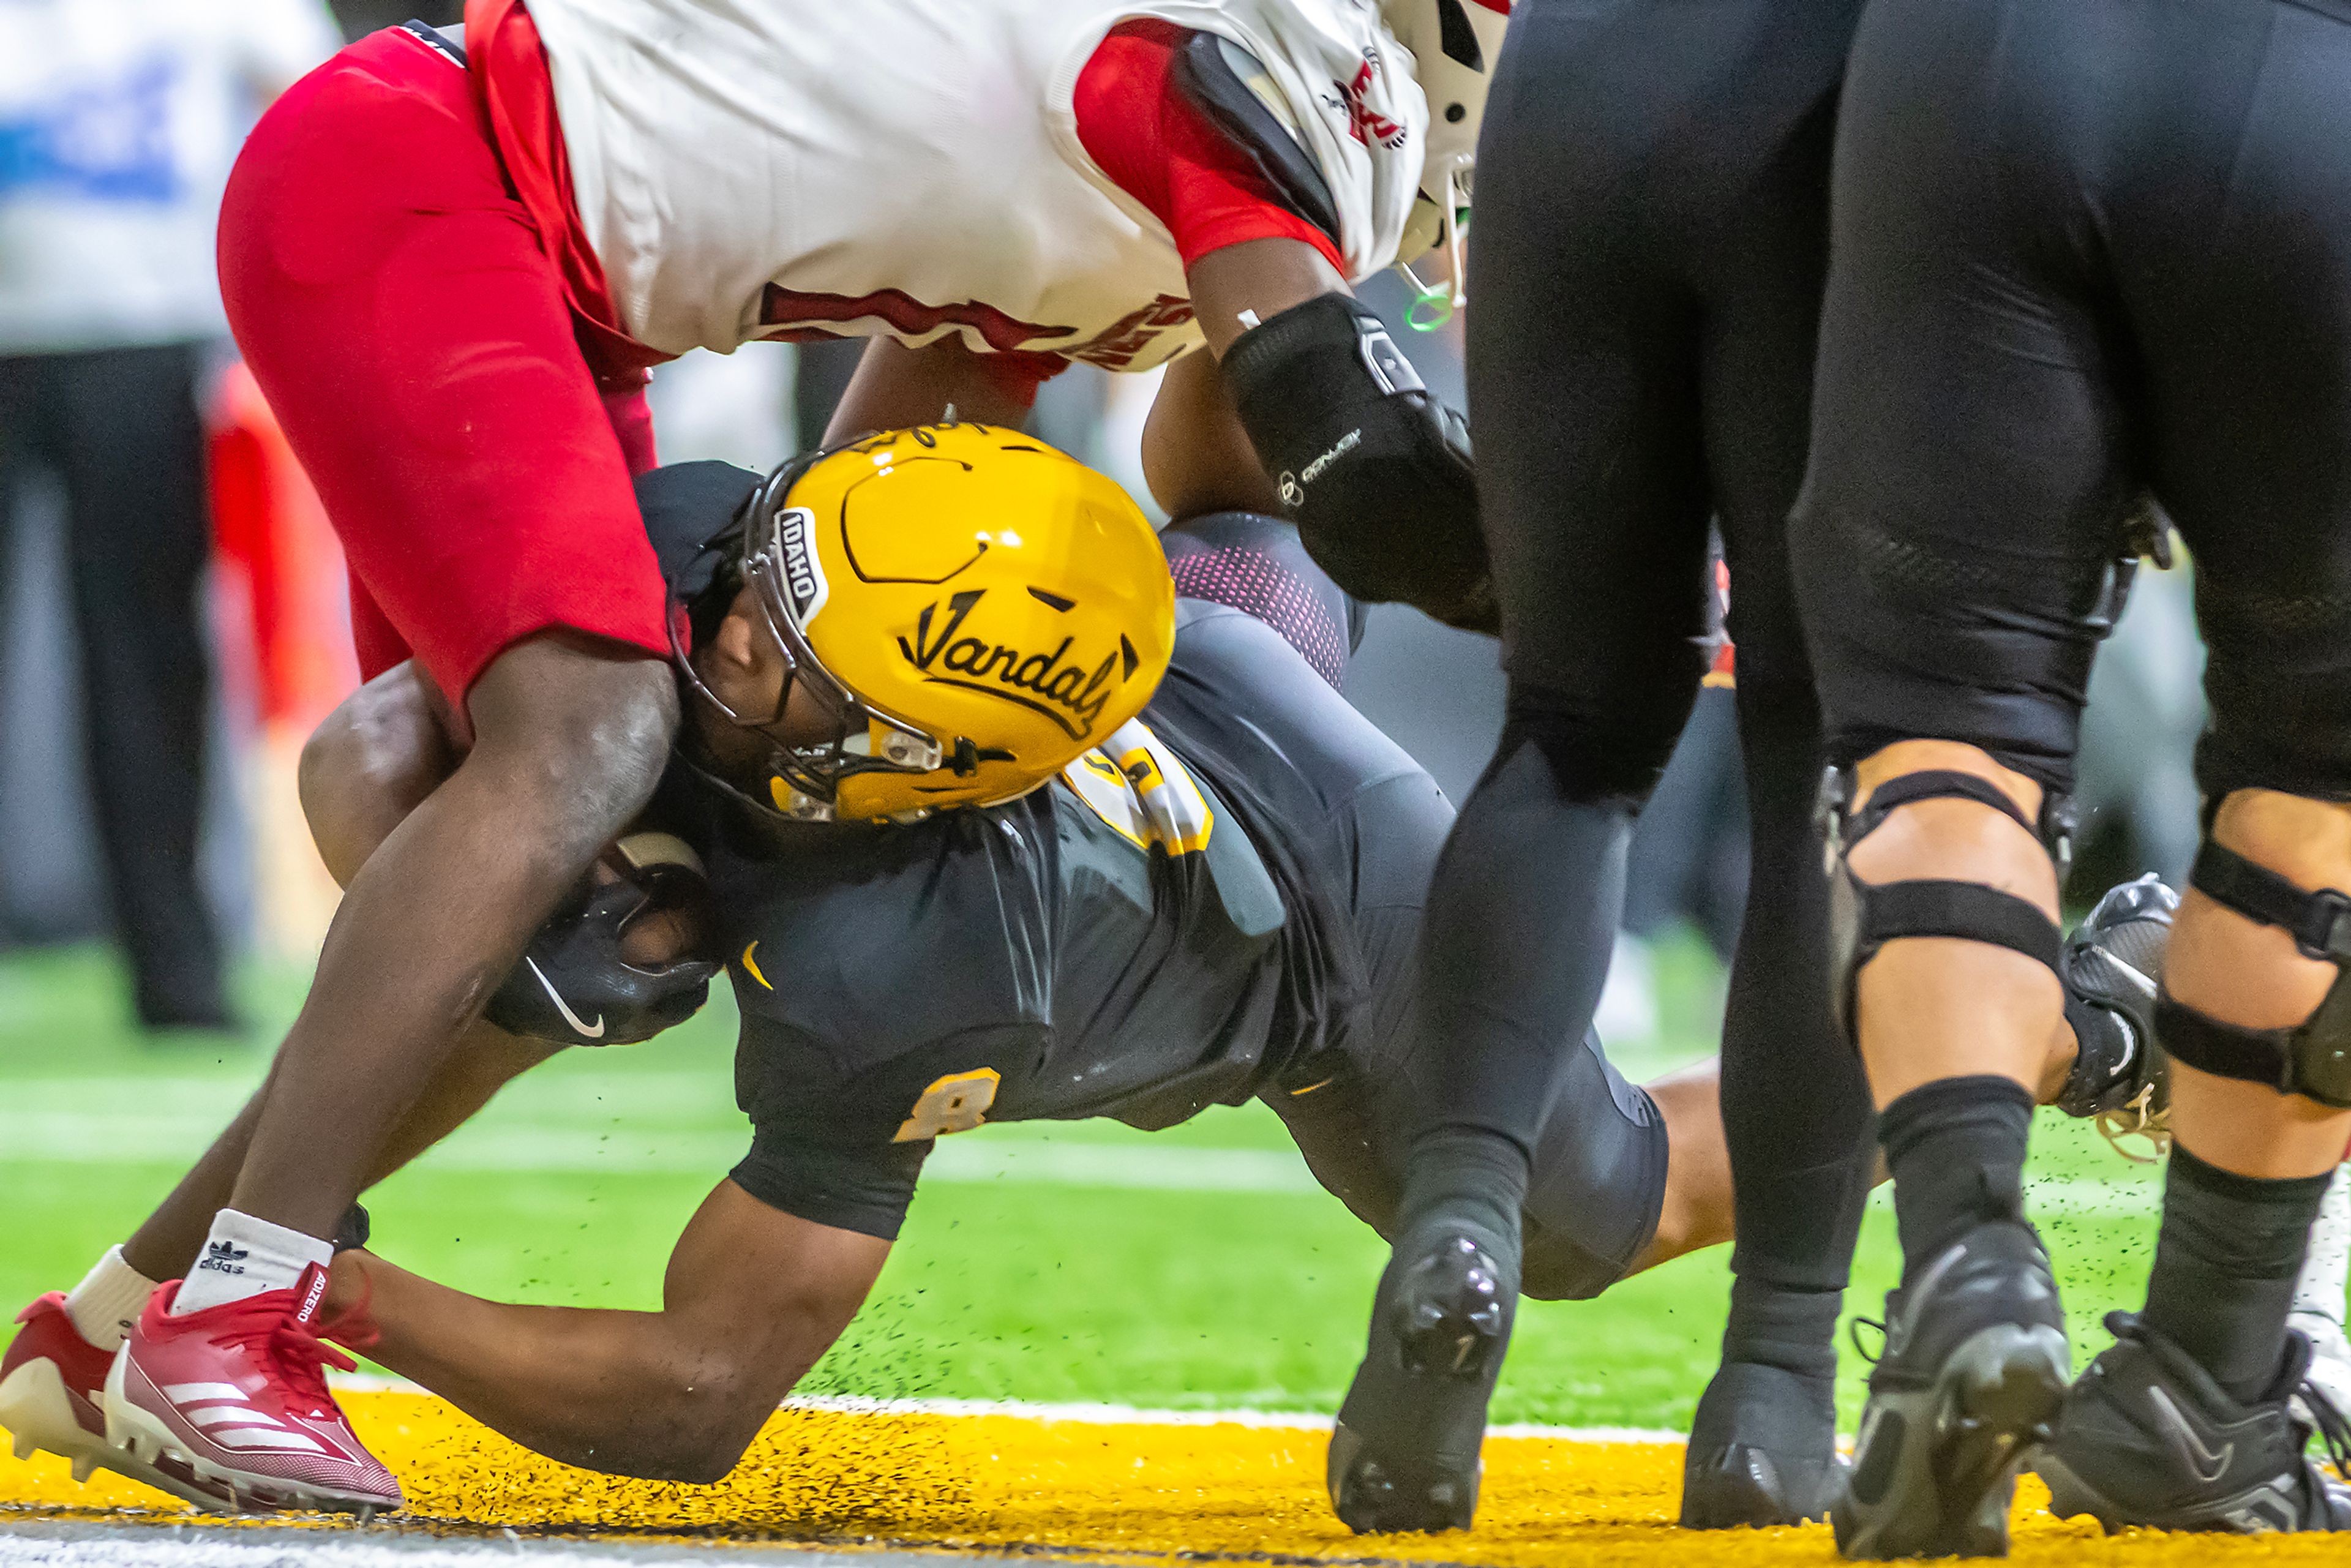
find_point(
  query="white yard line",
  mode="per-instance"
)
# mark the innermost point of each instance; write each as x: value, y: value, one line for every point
x: 1098, y: 1414
x: 48, y: 1133
x: 1129, y: 1414
x: 55, y: 1136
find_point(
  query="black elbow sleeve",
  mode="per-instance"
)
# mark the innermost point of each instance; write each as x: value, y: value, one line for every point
x: 1376, y: 473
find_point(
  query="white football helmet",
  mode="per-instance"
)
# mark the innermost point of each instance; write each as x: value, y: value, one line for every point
x: 1453, y: 46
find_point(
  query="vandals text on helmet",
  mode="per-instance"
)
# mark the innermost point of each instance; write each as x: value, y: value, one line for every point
x: 1065, y: 693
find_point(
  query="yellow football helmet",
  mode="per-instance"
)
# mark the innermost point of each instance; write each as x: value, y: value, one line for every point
x: 970, y: 609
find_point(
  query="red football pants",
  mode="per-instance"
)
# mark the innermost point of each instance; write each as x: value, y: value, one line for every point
x: 395, y: 304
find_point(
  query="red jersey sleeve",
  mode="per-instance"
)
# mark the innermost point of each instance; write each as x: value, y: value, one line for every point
x: 1166, y: 153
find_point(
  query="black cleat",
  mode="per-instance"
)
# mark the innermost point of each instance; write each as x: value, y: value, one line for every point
x: 1972, y: 1375
x: 1762, y: 1450
x: 1405, y: 1453
x: 2112, y: 966
x: 2148, y: 1438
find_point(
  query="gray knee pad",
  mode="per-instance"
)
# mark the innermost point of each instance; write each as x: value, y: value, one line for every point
x: 2314, y: 1057
x: 1862, y: 918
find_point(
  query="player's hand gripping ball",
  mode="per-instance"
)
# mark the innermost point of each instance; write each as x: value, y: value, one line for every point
x: 622, y: 960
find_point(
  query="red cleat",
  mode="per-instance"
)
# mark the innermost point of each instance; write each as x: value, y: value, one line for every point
x: 50, y: 1383
x: 238, y: 1393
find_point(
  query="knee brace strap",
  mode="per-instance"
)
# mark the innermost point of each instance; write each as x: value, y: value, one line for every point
x: 2312, y: 1059
x: 2320, y: 922
x: 1862, y: 918
x: 1966, y: 910
x: 1932, y: 784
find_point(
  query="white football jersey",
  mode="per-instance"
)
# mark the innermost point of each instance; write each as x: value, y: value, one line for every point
x: 911, y: 168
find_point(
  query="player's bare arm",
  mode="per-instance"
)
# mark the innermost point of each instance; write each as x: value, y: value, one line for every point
x: 1196, y: 455
x: 897, y: 387
x: 752, y: 1297
x: 1243, y: 286
x: 1197, y: 459
x: 371, y: 763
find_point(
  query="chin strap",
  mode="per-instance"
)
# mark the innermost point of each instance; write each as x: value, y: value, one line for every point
x: 1433, y: 305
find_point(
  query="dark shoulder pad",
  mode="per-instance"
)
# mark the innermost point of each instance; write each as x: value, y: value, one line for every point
x: 1205, y: 74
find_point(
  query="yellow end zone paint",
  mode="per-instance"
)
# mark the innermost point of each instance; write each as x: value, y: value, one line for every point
x: 1086, y: 1488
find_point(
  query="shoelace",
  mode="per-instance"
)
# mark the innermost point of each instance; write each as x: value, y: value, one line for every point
x: 2334, y: 1428
x: 2134, y: 1119
x: 1853, y: 1332
x: 273, y: 1335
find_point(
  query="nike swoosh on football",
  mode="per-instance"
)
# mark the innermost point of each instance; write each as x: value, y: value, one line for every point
x: 2146, y: 986
x: 2203, y: 1461
x: 587, y: 1031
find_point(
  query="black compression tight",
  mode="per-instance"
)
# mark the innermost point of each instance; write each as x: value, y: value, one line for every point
x: 1514, y: 949
x: 1795, y: 1104
x: 1649, y: 249
x: 2086, y: 253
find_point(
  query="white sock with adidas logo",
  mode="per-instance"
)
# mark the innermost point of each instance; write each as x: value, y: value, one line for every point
x: 107, y: 1301
x: 244, y: 1256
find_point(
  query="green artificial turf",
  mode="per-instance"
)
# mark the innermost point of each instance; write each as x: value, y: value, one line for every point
x: 570, y: 1188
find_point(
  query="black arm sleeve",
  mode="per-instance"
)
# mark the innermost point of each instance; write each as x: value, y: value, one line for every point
x: 1376, y: 473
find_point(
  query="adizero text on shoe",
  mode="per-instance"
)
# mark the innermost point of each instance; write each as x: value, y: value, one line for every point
x: 238, y: 1393
x: 1972, y: 1375
x: 1405, y: 1453
x: 2147, y: 1438
x: 50, y: 1383
x: 1762, y: 1450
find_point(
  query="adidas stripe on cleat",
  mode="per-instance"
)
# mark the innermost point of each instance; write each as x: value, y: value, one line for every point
x: 50, y: 1385
x: 238, y: 1393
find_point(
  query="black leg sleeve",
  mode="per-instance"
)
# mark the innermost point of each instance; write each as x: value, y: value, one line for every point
x: 1584, y: 388
x: 138, y: 538
x: 1515, y: 947
x: 1795, y: 1102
